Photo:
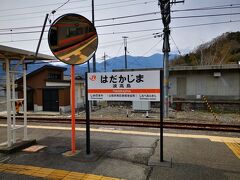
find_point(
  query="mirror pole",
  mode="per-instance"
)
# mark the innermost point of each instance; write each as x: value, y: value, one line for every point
x: 93, y: 22
x: 73, y: 108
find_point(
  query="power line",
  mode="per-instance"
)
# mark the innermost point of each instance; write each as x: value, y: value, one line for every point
x: 174, y: 27
x: 100, y: 34
x: 140, y: 21
x: 55, y: 10
x: 133, y: 31
x: 150, y: 48
x: 132, y: 38
x: 205, y: 24
x: 43, y: 5
x: 175, y: 45
x: 129, y: 16
x: 157, y: 12
x: 119, y: 50
x: 72, y: 1
x: 98, y: 9
x: 177, y: 17
x: 117, y: 42
x: 205, y: 15
x: 81, y: 7
x: 231, y: 6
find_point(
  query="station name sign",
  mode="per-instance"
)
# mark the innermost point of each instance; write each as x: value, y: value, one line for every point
x: 124, y: 86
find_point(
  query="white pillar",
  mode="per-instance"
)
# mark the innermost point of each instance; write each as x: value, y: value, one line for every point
x: 25, y: 137
x: 9, y: 138
x: 13, y: 107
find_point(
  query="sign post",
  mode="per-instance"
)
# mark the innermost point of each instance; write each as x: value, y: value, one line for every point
x: 126, y: 86
x: 87, y: 115
x: 161, y: 115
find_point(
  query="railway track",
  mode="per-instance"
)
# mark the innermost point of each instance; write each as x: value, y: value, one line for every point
x: 138, y: 123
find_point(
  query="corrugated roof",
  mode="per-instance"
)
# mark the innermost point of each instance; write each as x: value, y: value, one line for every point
x: 18, y: 54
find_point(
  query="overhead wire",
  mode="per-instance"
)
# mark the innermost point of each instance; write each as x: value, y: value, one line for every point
x: 81, y: 7
x: 119, y: 50
x: 98, y: 9
x: 176, y: 17
x: 173, y: 27
x: 123, y: 17
x: 72, y: 1
x: 150, y: 49
x: 229, y: 6
x: 179, y: 52
x: 37, y: 6
x: 55, y: 10
x: 139, y: 21
x: 181, y: 10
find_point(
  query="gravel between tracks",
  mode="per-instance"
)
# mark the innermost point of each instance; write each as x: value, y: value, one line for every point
x: 120, y: 112
x: 181, y: 116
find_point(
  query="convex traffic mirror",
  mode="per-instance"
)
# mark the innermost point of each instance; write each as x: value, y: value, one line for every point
x: 72, y: 39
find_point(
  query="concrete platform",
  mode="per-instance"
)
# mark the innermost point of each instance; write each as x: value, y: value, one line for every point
x: 127, y: 154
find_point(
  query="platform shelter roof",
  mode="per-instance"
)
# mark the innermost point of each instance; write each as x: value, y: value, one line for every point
x: 20, y: 54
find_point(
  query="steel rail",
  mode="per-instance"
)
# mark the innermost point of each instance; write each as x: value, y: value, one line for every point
x: 137, y: 123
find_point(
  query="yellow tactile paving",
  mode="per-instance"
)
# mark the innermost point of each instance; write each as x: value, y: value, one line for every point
x: 91, y: 177
x: 235, y: 147
x: 48, y: 173
x: 108, y: 178
x: 74, y: 175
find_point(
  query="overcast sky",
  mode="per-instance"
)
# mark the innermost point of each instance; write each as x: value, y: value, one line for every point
x: 24, y: 13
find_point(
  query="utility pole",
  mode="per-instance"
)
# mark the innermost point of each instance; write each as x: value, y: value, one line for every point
x: 104, y: 61
x: 165, y: 7
x: 125, y: 49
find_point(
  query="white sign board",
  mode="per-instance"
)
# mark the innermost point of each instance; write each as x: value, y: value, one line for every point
x: 124, y: 86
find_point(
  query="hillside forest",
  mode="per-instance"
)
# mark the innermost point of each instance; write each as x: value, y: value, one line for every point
x: 224, y: 49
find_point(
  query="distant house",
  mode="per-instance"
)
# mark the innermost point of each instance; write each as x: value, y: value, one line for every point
x: 47, y: 90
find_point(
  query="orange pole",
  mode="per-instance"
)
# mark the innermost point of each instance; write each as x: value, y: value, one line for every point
x: 73, y: 108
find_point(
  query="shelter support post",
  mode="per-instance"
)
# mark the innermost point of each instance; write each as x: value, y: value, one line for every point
x: 8, y: 93
x: 25, y: 136
x: 13, y: 117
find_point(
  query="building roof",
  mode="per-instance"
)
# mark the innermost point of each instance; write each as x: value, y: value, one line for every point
x: 19, y: 54
x: 205, y: 67
x: 42, y: 69
x: 189, y: 68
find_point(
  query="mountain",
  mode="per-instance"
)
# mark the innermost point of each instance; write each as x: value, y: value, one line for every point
x: 224, y: 49
x: 134, y: 62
